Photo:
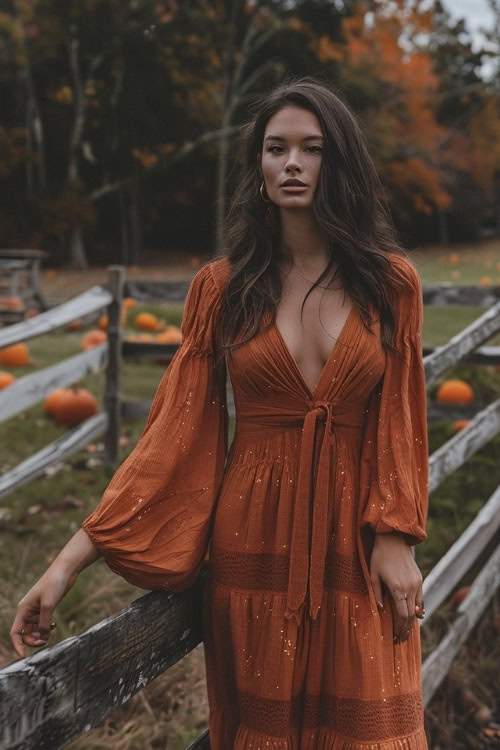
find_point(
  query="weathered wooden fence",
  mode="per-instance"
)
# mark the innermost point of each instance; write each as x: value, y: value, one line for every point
x: 62, y: 691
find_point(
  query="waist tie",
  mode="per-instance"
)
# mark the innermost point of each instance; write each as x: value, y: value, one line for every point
x: 308, y: 545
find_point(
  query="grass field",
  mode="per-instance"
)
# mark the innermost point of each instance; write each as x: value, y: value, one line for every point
x: 37, y: 519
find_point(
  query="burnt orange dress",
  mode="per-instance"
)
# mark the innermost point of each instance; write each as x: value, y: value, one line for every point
x: 298, y: 656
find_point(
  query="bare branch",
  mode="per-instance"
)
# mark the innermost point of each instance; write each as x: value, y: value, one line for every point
x: 181, y: 153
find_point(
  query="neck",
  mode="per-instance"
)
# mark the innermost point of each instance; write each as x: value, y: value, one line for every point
x: 303, y: 239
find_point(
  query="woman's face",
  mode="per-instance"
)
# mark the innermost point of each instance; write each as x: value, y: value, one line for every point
x: 292, y: 150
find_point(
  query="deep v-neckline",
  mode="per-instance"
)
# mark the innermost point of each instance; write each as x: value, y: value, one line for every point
x: 347, y: 323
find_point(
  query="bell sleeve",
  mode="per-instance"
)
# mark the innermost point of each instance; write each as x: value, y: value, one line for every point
x: 153, y: 523
x: 394, y: 468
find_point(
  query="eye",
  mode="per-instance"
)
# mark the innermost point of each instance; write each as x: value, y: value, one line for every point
x: 271, y: 148
x: 315, y: 149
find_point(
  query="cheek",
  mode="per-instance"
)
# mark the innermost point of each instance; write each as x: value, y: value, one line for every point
x: 269, y: 167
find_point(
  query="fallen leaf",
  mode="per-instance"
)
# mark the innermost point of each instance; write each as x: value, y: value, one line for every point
x: 51, y: 471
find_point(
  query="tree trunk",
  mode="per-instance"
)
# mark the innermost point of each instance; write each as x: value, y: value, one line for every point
x: 221, y: 182
x: 124, y: 233
x: 135, y: 225
x: 78, y: 258
x: 444, y: 237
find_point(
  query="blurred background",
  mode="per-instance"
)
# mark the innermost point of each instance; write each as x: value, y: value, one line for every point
x: 118, y: 119
x: 118, y: 144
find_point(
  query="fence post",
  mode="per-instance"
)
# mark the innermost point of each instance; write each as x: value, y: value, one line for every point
x: 112, y: 389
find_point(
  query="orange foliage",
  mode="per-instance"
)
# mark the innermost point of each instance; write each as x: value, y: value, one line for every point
x: 419, y: 183
x: 326, y: 50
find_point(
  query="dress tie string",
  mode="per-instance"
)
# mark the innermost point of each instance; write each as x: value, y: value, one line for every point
x: 309, y: 545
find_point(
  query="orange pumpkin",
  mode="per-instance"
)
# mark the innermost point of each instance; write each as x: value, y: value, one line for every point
x: 458, y: 597
x: 6, y: 378
x: 14, y: 303
x: 103, y: 323
x: 146, y: 321
x: 16, y: 355
x: 93, y: 338
x: 53, y: 400
x: 140, y: 337
x: 129, y: 302
x: 75, y: 406
x: 171, y: 335
x: 454, y: 392
x: 485, y: 281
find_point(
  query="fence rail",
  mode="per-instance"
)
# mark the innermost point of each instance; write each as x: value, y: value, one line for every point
x: 69, y: 688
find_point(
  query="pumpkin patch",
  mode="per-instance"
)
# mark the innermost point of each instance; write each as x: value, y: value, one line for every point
x: 146, y: 321
x: 74, y: 406
x: 16, y: 355
x: 6, y: 378
x: 53, y: 400
x: 171, y: 335
x: 454, y: 392
x: 93, y: 338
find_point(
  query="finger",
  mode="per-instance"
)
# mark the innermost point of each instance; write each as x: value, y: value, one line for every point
x: 412, y: 592
x: 17, y: 642
x: 20, y: 627
x: 399, y: 606
x: 377, y: 590
x: 419, y: 603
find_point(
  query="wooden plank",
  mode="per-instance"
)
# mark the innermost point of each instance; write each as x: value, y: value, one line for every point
x: 459, y: 558
x: 165, y: 291
x: 33, y: 388
x: 446, y: 295
x: 438, y: 663
x: 484, y: 426
x: 90, y: 301
x: 64, y: 690
x: 112, y: 387
x: 461, y: 345
x: 483, y: 355
x: 147, y: 349
x: 65, y: 446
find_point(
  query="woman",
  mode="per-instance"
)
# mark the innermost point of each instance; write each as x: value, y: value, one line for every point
x: 310, y: 634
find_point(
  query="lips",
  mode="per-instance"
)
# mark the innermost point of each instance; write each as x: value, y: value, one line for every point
x: 293, y: 182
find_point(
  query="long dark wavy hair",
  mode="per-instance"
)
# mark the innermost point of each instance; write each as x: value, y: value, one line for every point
x: 348, y: 205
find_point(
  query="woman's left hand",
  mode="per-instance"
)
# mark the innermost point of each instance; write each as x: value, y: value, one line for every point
x: 393, y: 564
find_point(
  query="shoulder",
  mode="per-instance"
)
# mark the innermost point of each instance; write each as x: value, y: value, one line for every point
x: 205, y: 289
x: 406, y: 273
x: 407, y: 302
x: 219, y: 270
x: 212, y: 276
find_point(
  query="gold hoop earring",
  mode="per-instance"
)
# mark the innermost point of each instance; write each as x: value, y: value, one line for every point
x: 261, y: 190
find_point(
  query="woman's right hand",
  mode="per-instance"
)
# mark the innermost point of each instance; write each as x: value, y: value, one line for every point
x: 32, y: 623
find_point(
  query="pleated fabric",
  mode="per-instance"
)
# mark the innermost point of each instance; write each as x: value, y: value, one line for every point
x: 298, y: 655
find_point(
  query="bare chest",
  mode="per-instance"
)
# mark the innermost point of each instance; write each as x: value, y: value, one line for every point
x: 310, y: 340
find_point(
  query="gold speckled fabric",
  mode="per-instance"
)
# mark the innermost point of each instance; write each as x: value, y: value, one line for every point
x: 298, y: 656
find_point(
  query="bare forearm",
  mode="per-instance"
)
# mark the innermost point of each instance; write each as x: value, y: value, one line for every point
x: 77, y: 554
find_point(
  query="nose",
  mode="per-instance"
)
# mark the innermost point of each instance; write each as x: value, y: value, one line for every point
x: 293, y: 162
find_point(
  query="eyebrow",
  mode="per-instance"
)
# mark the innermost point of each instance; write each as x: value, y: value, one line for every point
x: 307, y: 138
